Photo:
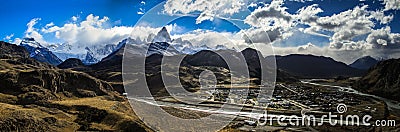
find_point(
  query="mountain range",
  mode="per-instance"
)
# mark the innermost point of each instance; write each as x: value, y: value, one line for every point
x: 95, y: 53
x: 299, y: 66
x: 289, y: 67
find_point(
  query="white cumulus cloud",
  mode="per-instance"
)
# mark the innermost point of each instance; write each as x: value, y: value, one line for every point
x: 346, y: 25
x: 271, y: 16
x: 94, y: 31
x: 391, y: 4
x: 8, y: 37
x: 211, y: 39
x: 208, y: 9
x: 32, y: 32
x: 383, y: 38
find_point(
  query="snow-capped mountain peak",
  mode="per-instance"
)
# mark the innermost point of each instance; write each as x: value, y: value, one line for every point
x: 162, y: 36
x: 90, y: 59
x: 129, y: 40
x: 39, y: 52
x: 96, y: 53
x: 31, y: 42
x: 220, y: 47
x: 65, y: 47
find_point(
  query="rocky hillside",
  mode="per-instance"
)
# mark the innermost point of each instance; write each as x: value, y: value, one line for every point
x: 36, y: 96
x: 382, y: 80
x: 71, y: 63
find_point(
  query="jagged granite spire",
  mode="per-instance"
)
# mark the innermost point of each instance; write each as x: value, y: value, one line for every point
x: 162, y: 36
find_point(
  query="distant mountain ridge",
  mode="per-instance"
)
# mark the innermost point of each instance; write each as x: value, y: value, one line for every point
x: 159, y: 45
x: 303, y: 66
x: 161, y: 40
x: 310, y: 66
x: 364, y: 63
x: 96, y: 53
x: 250, y: 57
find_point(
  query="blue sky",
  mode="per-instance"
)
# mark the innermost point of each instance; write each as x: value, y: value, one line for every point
x: 16, y: 14
x: 126, y: 13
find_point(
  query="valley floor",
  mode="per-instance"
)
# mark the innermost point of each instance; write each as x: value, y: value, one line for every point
x: 288, y: 100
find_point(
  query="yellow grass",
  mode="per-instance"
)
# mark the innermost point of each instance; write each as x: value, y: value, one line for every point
x: 111, y: 107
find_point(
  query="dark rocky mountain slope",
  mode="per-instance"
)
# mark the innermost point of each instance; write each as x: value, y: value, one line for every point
x: 382, y: 80
x: 364, y: 63
x: 309, y: 66
x: 71, y: 63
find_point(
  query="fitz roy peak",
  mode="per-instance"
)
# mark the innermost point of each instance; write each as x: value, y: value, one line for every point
x: 162, y: 36
x: 160, y: 44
